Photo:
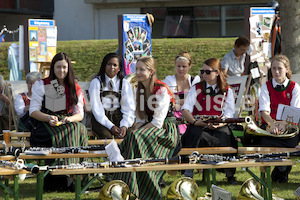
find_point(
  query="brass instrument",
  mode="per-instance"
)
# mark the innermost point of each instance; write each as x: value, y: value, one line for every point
x: 131, y: 78
x: 115, y: 190
x: 183, y: 188
x: 252, y: 129
x: 251, y: 190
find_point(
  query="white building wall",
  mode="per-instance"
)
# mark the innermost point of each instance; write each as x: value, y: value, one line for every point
x: 74, y: 20
x: 77, y: 20
x: 106, y: 21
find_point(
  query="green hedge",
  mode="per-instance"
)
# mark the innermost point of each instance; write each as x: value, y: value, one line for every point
x: 88, y: 54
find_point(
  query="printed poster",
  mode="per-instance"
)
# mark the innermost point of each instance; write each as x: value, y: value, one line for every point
x: 136, y: 36
x: 42, y: 36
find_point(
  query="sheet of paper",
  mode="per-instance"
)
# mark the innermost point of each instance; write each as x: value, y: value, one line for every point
x: 113, y: 152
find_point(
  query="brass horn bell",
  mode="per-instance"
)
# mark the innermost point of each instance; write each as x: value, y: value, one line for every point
x: 114, y: 190
x: 183, y: 188
x: 251, y: 189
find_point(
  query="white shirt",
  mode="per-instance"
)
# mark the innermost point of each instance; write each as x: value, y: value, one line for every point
x: 162, y: 107
x: 191, y: 99
x: 127, y: 102
x: 38, y: 92
x: 20, y: 105
x: 232, y: 63
x: 172, y: 83
x: 264, y: 97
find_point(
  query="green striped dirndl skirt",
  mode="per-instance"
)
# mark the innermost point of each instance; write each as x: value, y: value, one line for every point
x: 70, y: 134
x: 148, y: 143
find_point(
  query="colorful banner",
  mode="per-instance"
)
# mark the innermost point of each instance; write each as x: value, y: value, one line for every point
x: 42, y: 42
x: 136, y: 35
x: 261, y: 20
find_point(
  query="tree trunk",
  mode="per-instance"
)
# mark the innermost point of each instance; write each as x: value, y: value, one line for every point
x: 290, y: 28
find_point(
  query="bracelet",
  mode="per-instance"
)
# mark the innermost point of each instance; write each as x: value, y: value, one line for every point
x: 194, y: 122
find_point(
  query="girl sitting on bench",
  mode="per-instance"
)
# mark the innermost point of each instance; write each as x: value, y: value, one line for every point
x: 57, y: 108
x: 112, y: 100
x: 212, y: 96
x: 155, y: 133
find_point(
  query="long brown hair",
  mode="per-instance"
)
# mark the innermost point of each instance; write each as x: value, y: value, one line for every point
x: 222, y: 84
x: 69, y: 79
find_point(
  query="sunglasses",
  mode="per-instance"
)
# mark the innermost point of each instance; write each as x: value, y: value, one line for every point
x: 207, y: 71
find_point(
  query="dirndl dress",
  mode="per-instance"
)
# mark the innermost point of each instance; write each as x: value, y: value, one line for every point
x: 148, y: 143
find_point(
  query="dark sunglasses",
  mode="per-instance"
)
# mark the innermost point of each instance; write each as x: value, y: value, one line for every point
x: 207, y: 71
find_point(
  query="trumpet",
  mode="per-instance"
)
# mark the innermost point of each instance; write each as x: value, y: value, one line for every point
x: 252, y: 129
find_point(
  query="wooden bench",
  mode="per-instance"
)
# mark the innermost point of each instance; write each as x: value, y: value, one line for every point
x: 265, y: 173
x: 5, y: 187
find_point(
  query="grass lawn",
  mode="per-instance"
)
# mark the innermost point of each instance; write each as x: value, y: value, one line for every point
x: 286, y: 191
x: 88, y: 54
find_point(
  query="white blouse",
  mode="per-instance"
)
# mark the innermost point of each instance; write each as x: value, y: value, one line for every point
x: 20, y: 105
x: 161, y: 110
x: 228, y: 107
x: 38, y: 92
x: 264, y: 97
x: 99, y: 107
x: 171, y: 82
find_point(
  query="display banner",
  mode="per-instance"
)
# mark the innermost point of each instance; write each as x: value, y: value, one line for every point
x: 260, y: 25
x: 135, y: 37
x: 42, y: 35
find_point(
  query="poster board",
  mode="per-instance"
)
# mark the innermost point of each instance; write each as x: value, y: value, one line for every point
x: 134, y: 39
x: 42, y: 36
x: 260, y: 25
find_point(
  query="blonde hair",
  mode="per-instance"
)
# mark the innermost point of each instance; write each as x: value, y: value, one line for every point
x: 285, y: 61
x: 184, y: 55
x: 150, y: 65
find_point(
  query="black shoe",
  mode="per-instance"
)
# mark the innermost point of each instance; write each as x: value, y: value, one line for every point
x: 231, y: 180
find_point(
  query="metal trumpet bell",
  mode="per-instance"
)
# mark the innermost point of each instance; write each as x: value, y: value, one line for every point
x: 184, y: 188
x: 114, y: 190
x: 250, y: 190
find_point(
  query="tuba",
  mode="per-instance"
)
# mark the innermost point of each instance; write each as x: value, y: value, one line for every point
x: 183, y: 188
x: 251, y: 190
x: 115, y: 190
x: 252, y: 129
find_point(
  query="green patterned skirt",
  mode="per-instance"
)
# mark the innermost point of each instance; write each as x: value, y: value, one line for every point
x: 148, y: 143
x: 71, y: 134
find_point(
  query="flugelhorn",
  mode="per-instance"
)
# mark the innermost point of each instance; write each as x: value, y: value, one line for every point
x: 252, y: 129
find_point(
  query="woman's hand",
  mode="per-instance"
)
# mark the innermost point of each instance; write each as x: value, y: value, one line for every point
x: 67, y: 119
x: 115, y: 131
x: 123, y: 132
x: 53, y: 120
x: 278, y: 127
